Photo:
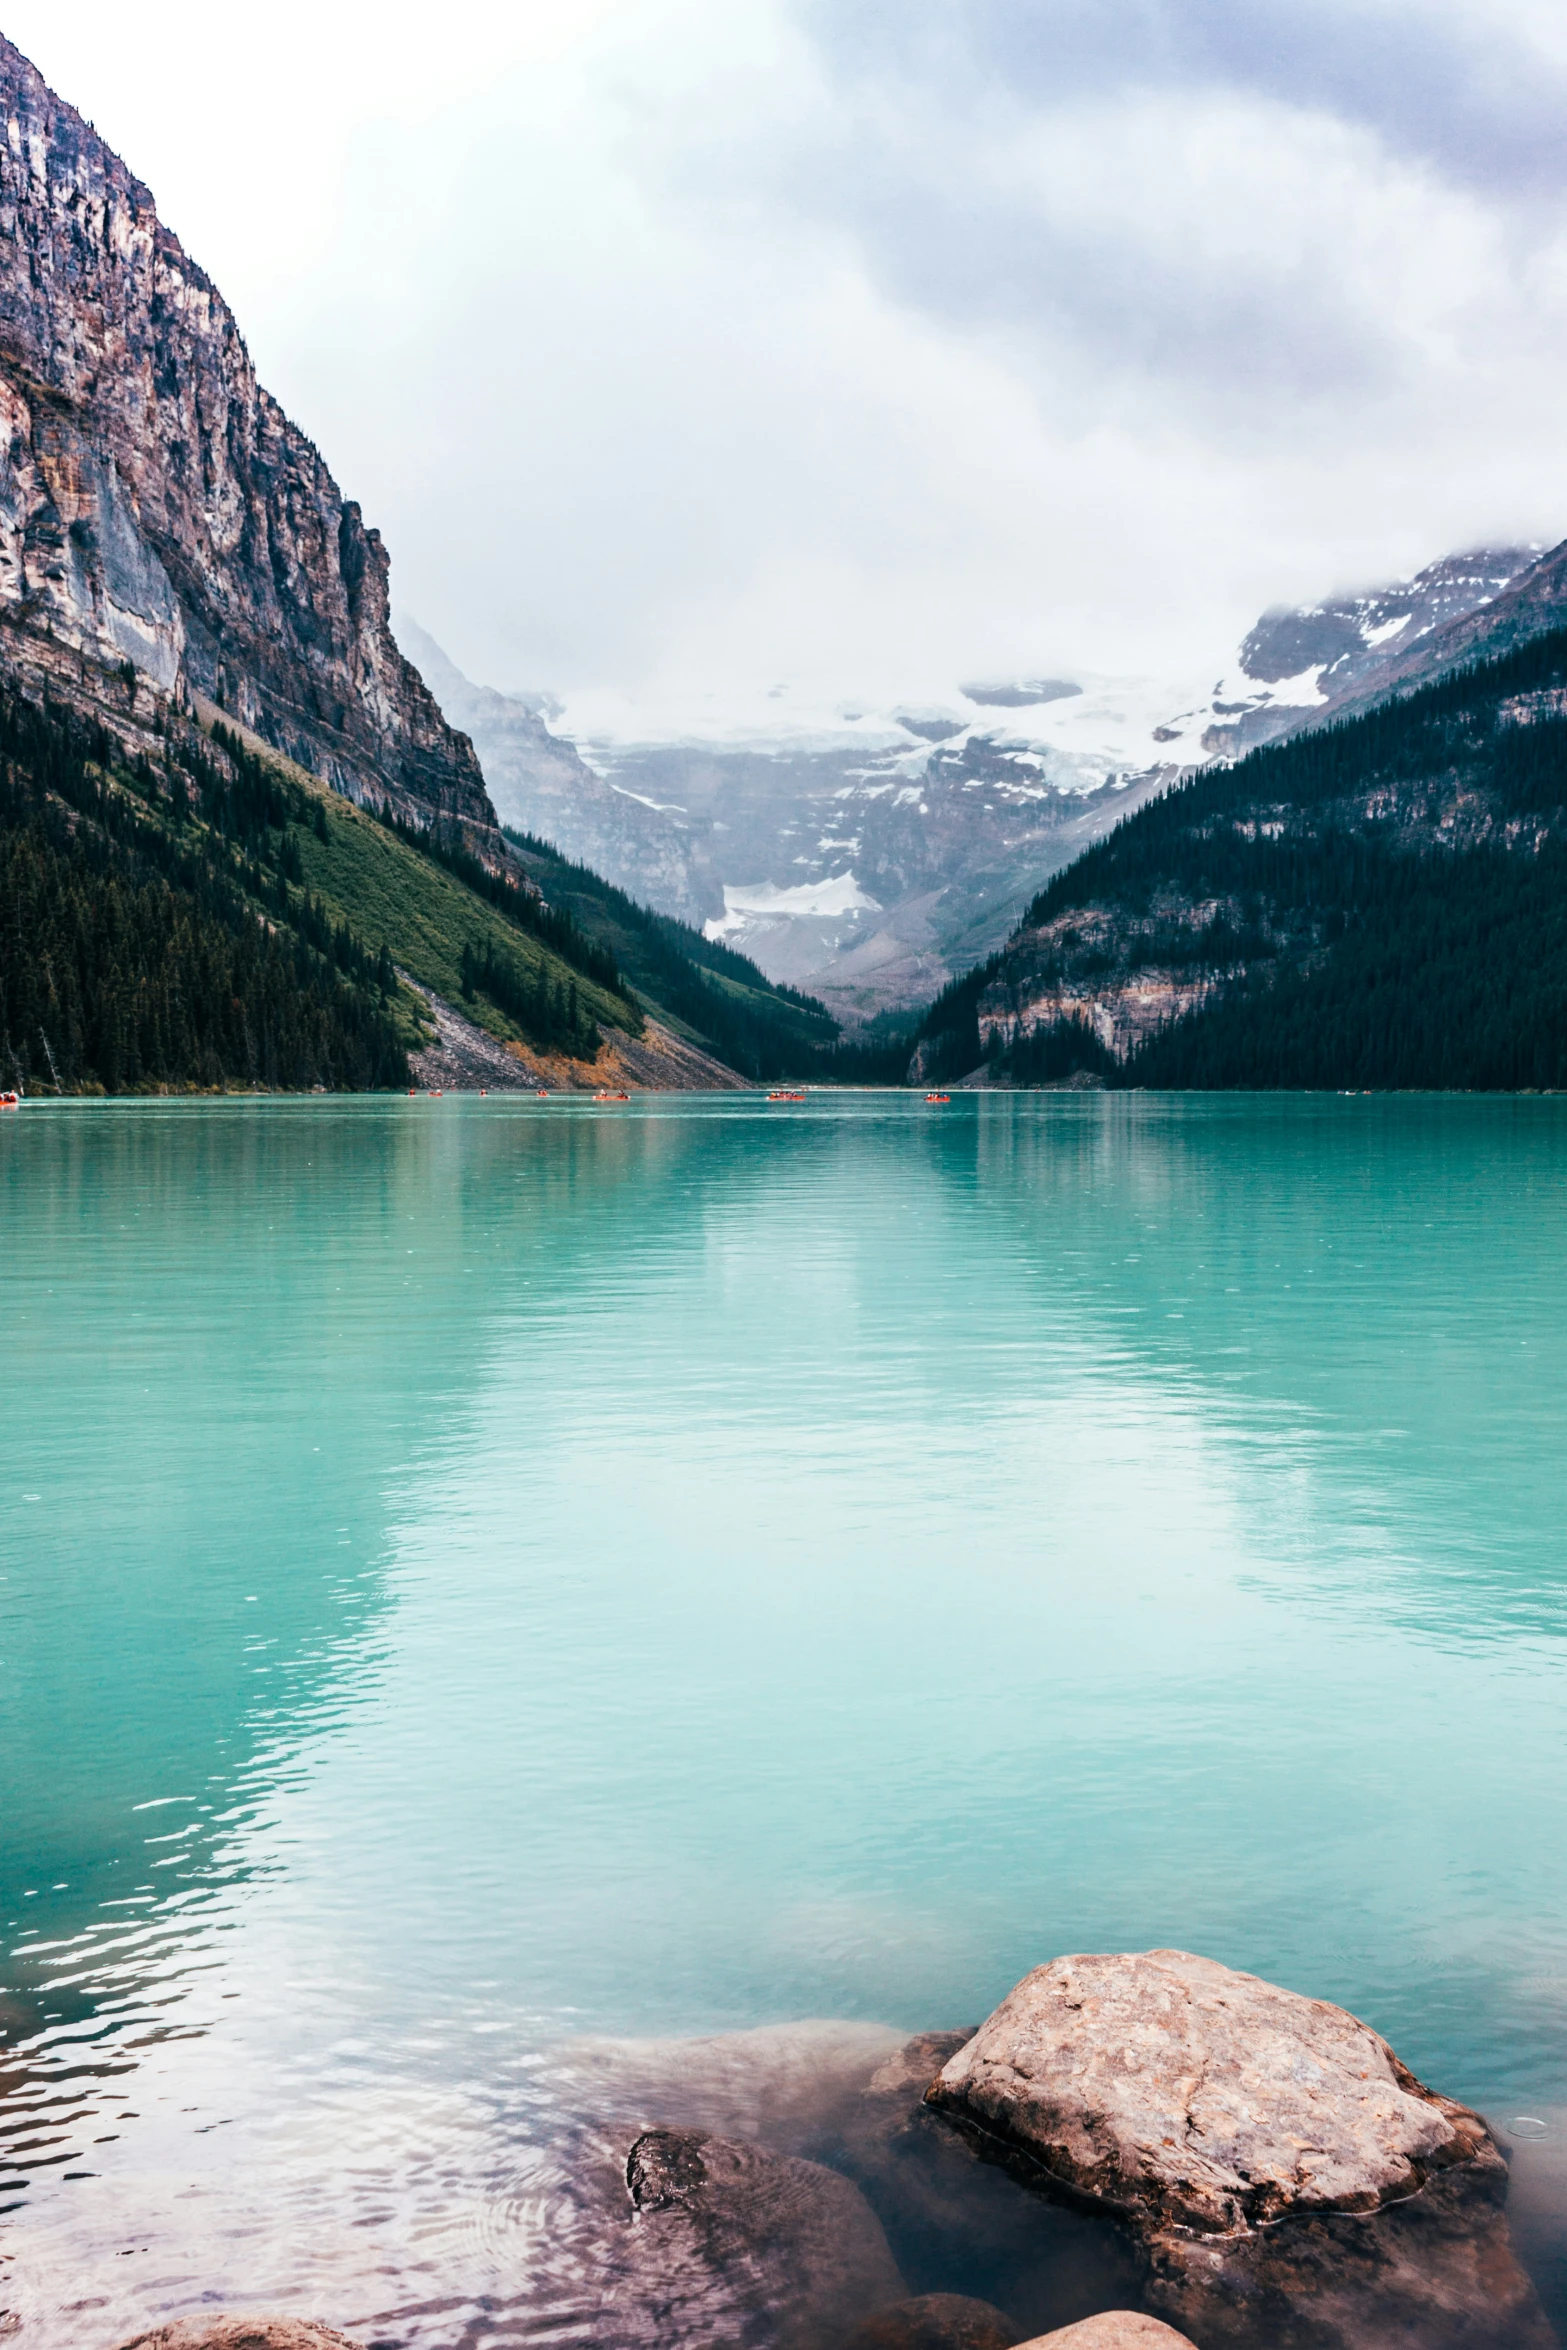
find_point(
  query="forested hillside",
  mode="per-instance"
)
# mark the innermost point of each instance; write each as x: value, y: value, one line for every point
x: 706, y: 990
x: 1379, y: 903
x: 156, y: 937
x: 198, y: 915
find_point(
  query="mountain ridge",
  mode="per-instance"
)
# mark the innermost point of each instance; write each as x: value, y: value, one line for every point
x: 1378, y: 900
x: 871, y: 854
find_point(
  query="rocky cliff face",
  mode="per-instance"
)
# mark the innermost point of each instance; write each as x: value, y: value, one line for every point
x: 158, y: 509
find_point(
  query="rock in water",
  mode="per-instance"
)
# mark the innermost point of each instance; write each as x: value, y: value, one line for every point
x: 1285, y: 2178
x: 732, y: 2244
x: 241, y: 2333
x: 937, y: 2321
x: 1117, y: 2329
x: 956, y: 2218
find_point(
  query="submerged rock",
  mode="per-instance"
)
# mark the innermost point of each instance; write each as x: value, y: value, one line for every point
x: 956, y: 2217
x: 241, y: 2333
x: 937, y: 2321
x: 730, y: 2243
x: 1283, y: 2177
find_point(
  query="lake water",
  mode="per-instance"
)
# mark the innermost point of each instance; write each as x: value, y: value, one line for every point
x: 493, y: 1587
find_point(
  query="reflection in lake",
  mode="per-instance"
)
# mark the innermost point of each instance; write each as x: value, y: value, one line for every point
x: 510, y: 1577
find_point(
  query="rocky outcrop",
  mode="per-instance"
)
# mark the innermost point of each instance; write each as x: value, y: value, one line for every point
x: 164, y: 529
x: 1283, y: 2176
x: 1119, y: 978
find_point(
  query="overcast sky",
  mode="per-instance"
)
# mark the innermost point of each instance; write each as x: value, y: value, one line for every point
x: 677, y: 344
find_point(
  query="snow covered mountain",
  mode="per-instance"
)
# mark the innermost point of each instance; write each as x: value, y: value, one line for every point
x: 868, y: 853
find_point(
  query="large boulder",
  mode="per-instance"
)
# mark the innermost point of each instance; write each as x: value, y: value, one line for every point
x: 1284, y: 2178
x: 1115, y: 2329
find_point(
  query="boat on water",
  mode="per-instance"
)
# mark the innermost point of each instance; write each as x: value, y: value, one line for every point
x: 938, y: 1097
x: 786, y: 1097
x: 10, y: 1101
x: 612, y: 1097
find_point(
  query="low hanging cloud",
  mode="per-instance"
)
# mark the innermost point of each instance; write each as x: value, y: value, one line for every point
x: 1269, y: 212
x: 682, y: 346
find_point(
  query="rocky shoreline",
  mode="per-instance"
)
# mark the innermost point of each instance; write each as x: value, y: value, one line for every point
x: 1134, y: 2151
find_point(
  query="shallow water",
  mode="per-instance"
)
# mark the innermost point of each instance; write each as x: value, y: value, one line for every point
x: 492, y: 1587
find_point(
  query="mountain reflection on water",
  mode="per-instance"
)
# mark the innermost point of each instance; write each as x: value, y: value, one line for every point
x: 488, y: 1583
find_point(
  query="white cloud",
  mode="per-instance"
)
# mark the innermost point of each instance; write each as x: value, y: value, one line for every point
x: 703, y: 343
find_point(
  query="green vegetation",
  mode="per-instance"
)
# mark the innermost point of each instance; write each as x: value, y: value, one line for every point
x: 216, y: 916
x: 706, y: 992
x: 553, y: 925
x: 388, y: 881
x: 1381, y: 903
x: 133, y: 956
x: 949, y: 1032
x: 550, y: 1015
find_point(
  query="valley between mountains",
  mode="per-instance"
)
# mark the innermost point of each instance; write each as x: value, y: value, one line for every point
x: 246, y: 839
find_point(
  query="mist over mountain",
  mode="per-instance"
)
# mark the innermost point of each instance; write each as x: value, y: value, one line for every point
x: 870, y: 853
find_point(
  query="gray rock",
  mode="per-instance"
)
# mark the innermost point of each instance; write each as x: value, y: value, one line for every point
x: 1283, y: 2176
x: 937, y: 2321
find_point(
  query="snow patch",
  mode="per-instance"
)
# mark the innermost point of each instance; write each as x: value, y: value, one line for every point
x: 808, y: 901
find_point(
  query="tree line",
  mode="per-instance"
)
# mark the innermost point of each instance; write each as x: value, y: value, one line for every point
x: 1352, y: 948
x: 553, y: 926
x: 131, y: 955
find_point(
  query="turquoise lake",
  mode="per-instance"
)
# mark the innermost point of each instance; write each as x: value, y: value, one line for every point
x: 492, y: 1588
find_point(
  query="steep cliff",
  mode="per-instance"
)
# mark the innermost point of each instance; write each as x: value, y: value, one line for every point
x: 164, y: 529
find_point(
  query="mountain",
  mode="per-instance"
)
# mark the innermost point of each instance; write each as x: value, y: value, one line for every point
x: 541, y: 785
x: 166, y: 534
x: 240, y: 845
x: 210, y: 915
x: 1532, y: 604
x: 866, y: 852
x: 1380, y: 900
x: 1302, y: 661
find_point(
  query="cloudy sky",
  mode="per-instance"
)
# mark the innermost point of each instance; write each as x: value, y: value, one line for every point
x: 682, y: 345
